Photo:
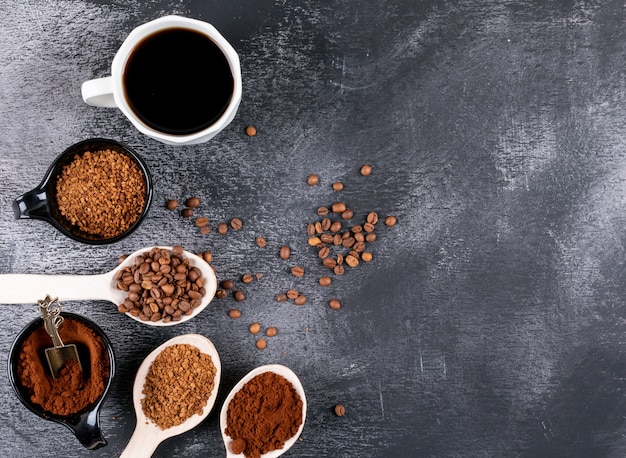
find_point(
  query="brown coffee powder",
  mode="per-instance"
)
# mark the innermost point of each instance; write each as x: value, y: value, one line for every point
x: 264, y: 414
x: 102, y: 193
x: 178, y: 385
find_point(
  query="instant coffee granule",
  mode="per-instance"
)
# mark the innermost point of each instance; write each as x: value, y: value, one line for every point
x: 101, y: 193
x: 178, y: 385
x: 263, y: 415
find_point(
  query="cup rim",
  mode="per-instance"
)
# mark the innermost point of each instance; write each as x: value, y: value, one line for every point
x: 163, y: 23
x: 61, y: 159
x: 14, y: 378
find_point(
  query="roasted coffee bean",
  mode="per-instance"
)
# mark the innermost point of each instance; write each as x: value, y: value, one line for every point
x: 330, y: 263
x: 239, y: 296
x: 359, y: 237
x: 271, y: 331
x: 335, y: 304
x: 348, y: 242
x: 227, y: 284
x: 234, y: 314
x: 222, y: 228
x: 335, y: 226
x: 282, y: 297
x: 312, y: 179
x: 358, y: 247
x: 326, y: 238
x: 297, y: 271
x: 368, y: 227
x: 261, y: 344
x: 366, y: 170
x: 250, y: 131
x: 337, y: 240
x: 202, y: 221
x: 207, y: 256
x: 171, y: 204
x: 292, y: 294
x: 340, y: 410
x: 366, y: 256
x: 285, y: 252
x: 338, y: 207
x: 318, y: 227
x: 247, y: 278
x: 205, y: 230
x: 186, y: 212
x: 254, y: 328
x: 337, y: 186
x: 310, y: 229
x: 325, y: 281
x: 325, y: 224
x: 372, y: 217
x: 356, y: 229
x: 346, y: 234
x: 221, y: 294
x: 315, y: 241
x: 371, y: 237
x: 353, y: 253
x: 346, y: 215
x: 300, y: 300
x: 322, y: 211
x: 339, y: 259
x: 261, y: 242
x: 339, y: 269
x: 324, y: 252
x: 192, y: 202
x: 390, y: 221
x: 352, y: 261
x: 236, y: 224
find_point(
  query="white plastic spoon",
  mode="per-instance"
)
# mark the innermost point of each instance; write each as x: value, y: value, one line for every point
x: 29, y: 288
x: 277, y: 369
x: 147, y: 435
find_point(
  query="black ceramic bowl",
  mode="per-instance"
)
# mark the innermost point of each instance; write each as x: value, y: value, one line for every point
x: 41, y: 203
x: 85, y: 424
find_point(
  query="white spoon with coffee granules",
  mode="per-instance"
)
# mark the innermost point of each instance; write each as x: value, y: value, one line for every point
x: 160, y: 302
x: 148, y: 435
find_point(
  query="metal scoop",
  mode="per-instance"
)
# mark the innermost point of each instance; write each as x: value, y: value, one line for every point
x: 60, y: 354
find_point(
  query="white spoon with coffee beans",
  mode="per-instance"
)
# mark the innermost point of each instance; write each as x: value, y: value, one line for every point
x: 147, y: 435
x: 29, y: 288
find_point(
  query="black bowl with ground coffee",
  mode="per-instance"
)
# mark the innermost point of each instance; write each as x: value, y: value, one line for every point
x: 75, y: 396
x: 97, y: 191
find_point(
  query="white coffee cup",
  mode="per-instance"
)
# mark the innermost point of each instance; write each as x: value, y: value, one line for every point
x: 110, y: 91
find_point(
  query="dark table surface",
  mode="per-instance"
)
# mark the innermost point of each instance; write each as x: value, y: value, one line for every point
x: 491, y: 320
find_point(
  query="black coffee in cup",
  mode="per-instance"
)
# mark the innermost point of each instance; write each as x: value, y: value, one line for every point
x: 178, y: 81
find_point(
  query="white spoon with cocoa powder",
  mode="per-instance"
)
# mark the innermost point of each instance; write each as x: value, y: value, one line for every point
x: 147, y: 435
x: 291, y: 378
x: 29, y: 288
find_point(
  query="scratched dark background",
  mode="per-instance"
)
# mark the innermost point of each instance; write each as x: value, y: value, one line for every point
x: 491, y: 321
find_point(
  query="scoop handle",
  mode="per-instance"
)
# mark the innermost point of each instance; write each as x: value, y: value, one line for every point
x: 30, y: 288
x: 142, y: 444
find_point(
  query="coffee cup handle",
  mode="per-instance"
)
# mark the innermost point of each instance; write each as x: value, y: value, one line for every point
x: 99, y: 92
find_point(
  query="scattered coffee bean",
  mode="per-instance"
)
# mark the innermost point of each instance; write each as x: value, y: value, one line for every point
x: 337, y: 186
x: 335, y: 304
x: 352, y: 261
x: 312, y: 179
x: 300, y: 300
x: 285, y: 252
x: 227, y: 284
x: 202, y: 221
x: 234, y: 314
x: 340, y: 410
x: 205, y: 230
x: 315, y: 241
x: 282, y: 297
x: 338, y: 207
x: 326, y: 238
x: 339, y: 270
x: 390, y: 221
x: 222, y: 228
x: 346, y: 215
x: 324, y: 252
x: 261, y: 242
x: 250, y: 131
x: 236, y: 224
x: 325, y: 281
x: 221, y: 294
x: 372, y: 217
x: 368, y: 227
x: 292, y: 294
x: 322, y: 211
x: 261, y: 344
x: 371, y: 237
x: 318, y: 227
x: 325, y: 224
x: 192, y: 202
x: 271, y: 331
x: 247, y: 278
x: 171, y: 204
x: 239, y: 296
x: 186, y: 212
x: 254, y: 328
x: 366, y: 170
x: 329, y: 262
x: 366, y: 256
x: 207, y: 256
x: 335, y: 226
x: 297, y: 271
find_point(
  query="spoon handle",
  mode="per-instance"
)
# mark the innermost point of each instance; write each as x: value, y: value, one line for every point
x: 30, y: 288
x: 142, y: 444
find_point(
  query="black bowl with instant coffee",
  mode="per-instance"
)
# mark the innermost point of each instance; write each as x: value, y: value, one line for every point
x: 72, y: 401
x: 97, y: 191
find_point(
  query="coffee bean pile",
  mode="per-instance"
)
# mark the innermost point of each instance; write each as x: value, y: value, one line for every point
x: 161, y: 285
